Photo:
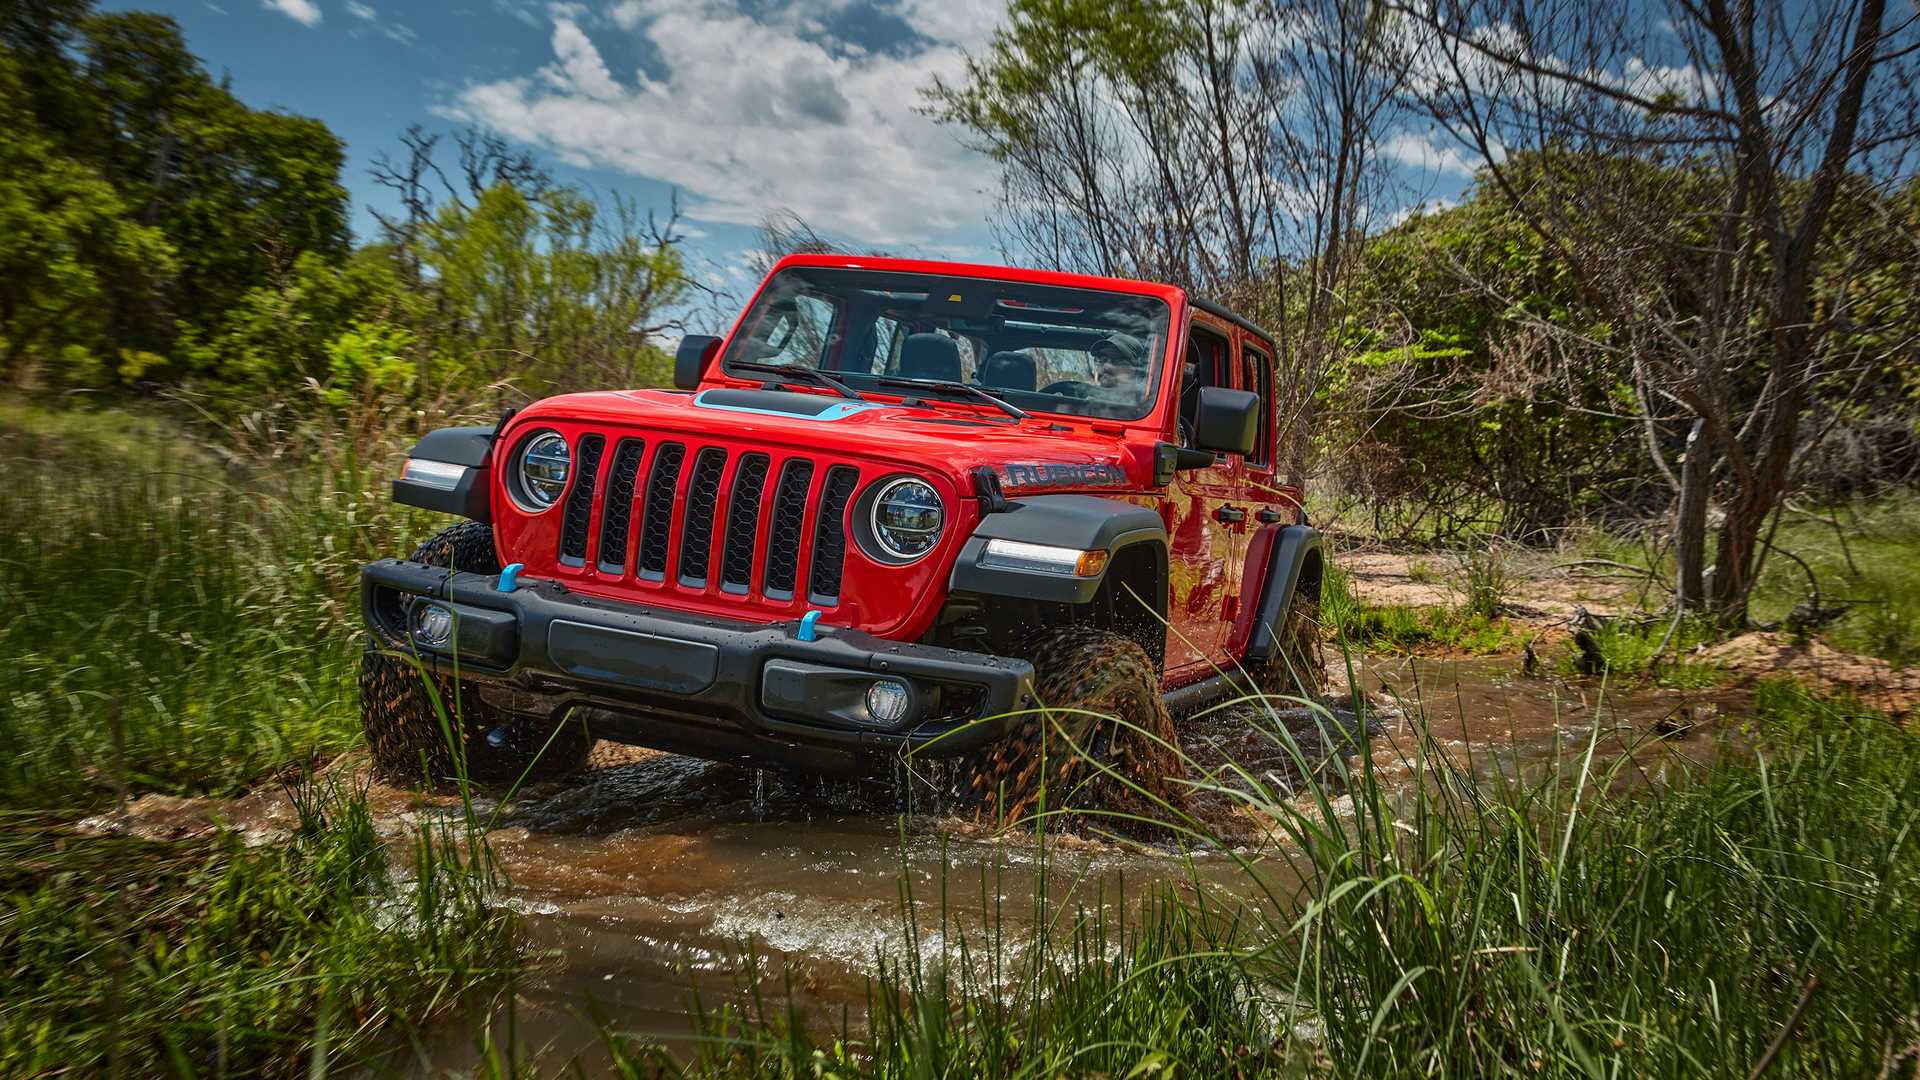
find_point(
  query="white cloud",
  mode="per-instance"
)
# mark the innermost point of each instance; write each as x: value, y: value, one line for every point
x: 368, y: 14
x: 750, y: 114
x: 1428, y: 154
x: 580, y: 67
x: 304, y: 12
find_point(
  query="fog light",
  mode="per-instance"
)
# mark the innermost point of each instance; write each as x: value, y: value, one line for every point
x: 887, y: 701
x: 432, y: 625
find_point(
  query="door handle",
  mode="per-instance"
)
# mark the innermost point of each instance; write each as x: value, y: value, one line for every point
x: 1231, y: 515
x: 1269, y: 516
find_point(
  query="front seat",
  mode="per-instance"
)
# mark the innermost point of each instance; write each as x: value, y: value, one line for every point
x: 930, y: 356
x: 1010, y: 371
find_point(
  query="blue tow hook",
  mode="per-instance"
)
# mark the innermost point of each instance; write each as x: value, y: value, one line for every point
x: 509, y: 577
x: 807, y: 631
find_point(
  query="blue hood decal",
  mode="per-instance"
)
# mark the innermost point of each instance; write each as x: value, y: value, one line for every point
x: 839, y: 410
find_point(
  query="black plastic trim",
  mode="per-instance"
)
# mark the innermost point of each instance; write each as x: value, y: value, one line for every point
x: 1082, y: 522
x: 1284, y: 564
x: 468, y: 499
x: 467, y: 446
x: 651, y: 667
x: 1232, y: 316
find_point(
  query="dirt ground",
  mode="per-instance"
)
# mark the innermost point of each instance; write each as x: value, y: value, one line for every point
x: 1541, y: 592
x: 1545, y: 593
x: 1877, y: 683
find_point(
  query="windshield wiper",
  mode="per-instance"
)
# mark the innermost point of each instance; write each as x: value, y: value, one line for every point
x: 952, y: 389
x: 787, y: 371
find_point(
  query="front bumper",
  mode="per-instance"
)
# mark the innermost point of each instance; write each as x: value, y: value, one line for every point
x: 715, y: 688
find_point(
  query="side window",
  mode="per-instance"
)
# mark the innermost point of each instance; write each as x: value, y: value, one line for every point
x: 1205, y: 365
x: 1257, y: 376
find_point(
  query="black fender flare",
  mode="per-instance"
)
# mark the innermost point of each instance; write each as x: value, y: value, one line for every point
x: 469, y: 447
x: 1079, y: 522
x: 1298, y: 557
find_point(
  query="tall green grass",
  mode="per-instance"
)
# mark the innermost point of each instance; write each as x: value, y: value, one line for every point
x: 179, y: 618
x: 1396, y: 629
x: 208, y: 957
x: 211, y: 604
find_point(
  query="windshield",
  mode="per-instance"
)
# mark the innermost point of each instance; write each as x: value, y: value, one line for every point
x: 1040, y: 347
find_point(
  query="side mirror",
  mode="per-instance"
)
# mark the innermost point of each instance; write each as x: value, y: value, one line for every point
x: 690, y: 362
x: 1227, y: 421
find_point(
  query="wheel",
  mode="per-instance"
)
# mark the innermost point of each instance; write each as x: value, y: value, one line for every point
x: 1101, y: 738
x: 1298, y: 667
x: 405, y: 736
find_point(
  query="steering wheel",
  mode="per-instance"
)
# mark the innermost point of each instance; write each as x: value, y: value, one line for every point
x: 1072, y: 388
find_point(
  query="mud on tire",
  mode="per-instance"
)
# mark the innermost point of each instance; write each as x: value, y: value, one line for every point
x: 405, y: 736
x: 1101, y: 724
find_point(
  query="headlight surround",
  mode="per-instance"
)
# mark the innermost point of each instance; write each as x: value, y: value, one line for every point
x: 541, y: 470
x: 905, y: 518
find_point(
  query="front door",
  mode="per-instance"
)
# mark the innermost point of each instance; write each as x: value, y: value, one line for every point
x: 1202, y: 562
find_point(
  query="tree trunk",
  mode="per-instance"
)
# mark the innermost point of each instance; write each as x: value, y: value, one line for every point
x: 1690, y: 517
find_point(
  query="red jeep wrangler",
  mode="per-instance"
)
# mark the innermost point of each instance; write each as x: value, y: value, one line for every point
x: 901, y: 507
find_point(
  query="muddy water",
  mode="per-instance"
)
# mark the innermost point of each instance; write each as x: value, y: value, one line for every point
x: 651, y: 880
x: 654, y: 879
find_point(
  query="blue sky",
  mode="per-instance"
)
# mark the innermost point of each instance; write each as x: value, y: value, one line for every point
x: 745, y: 107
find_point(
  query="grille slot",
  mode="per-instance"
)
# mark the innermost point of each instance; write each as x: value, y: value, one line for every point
x: 743, y: 521
x: 656, y: 529
x: 579, y: 511
x: 830, y: 535
x: 783, y: 534
x: 616, y: 515
x: 696, y: 538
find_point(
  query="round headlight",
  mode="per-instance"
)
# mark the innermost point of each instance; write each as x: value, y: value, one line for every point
x: 544, y: 466
x: 907, y: 518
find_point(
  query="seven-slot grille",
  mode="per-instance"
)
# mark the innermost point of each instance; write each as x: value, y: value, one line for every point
x: 753, y: 521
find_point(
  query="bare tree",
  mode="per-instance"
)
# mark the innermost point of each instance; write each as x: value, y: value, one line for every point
x: 1685, y: 158
x: 1227, y: 147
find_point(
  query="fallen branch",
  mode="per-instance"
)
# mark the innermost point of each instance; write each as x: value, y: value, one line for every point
x: 1780, y: 1041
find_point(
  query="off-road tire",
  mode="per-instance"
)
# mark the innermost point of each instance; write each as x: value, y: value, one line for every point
x: 1298, y: 667
x: 404, y: 733
x: 1100, y: 738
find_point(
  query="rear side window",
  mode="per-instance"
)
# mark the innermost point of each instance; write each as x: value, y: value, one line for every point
x: 1258, y: 377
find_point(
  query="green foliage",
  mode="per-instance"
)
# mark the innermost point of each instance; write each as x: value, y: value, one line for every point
x: 1396, y: 629
x: 211, y: 957
x: 1630, y: 649
x: 181, y: 625
x: 551, y: 290
x: 1457, y: 415
x: 211, y: 605
x: 138, y: 198
x: 1486, y: 576
x: 1863, y: 556
x: 154, y: 229
x: 67, y: 244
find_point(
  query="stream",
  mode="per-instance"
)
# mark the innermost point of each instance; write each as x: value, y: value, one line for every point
x: 648, y: 882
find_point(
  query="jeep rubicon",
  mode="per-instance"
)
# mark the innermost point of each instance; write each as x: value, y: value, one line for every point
x: 903, y: 507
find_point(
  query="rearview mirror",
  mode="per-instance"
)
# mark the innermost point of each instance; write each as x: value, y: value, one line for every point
x: 1227, y: 421
x: 690, y: 362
